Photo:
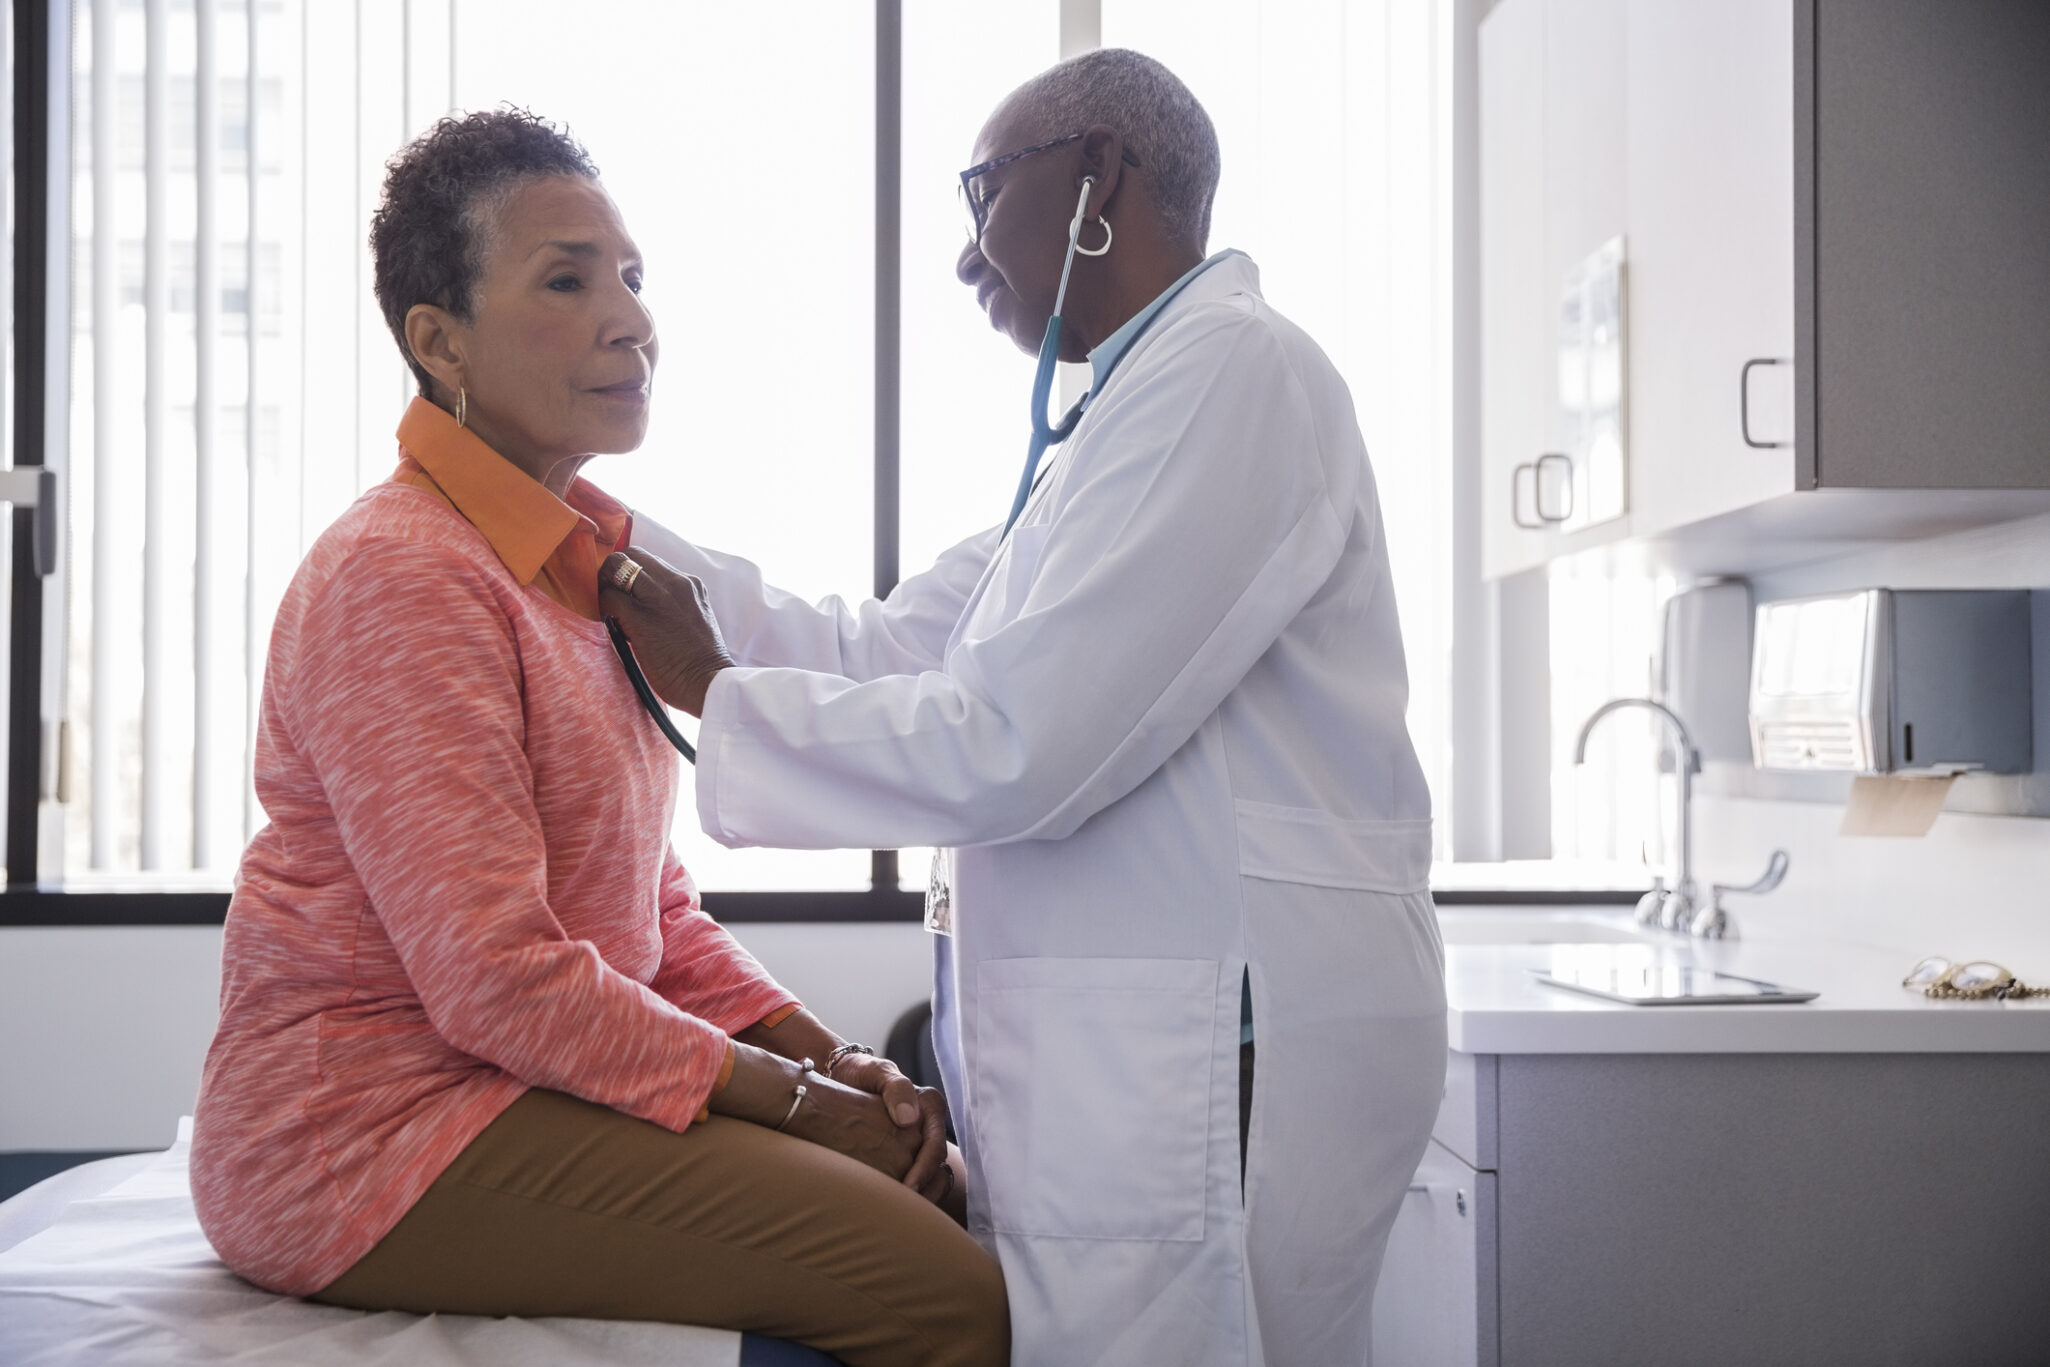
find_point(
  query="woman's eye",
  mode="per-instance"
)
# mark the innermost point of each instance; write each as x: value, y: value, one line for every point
x: 565, y: 283
x: 633, y: 282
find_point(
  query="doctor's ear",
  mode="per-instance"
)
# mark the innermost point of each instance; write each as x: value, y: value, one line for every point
x: 431, y: 337
x: 1104, y: 158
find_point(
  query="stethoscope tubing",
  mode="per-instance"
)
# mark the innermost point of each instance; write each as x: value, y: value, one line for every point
x: 1044, y: 433
x: 646, y: 692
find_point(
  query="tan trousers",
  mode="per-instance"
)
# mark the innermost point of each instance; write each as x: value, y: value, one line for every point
x: 562, y: 1207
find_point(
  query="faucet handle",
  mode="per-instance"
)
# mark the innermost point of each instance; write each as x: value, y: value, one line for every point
x: 1649, y: 904
x: 1676, y: 910
x: 1775, y: 871
x: 1713, y: 923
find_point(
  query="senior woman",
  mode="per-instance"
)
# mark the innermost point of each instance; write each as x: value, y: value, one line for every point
x: 1158, y: 726
x: 480, y: 1051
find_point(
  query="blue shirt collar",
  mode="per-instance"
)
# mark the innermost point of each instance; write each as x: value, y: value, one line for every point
x: 1105, y: 357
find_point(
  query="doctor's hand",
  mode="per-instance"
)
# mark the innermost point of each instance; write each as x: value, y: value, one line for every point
x: 914, y: 1108
x: 669, y: 620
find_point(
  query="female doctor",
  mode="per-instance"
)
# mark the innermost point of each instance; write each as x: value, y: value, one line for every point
x: 1156, y: 724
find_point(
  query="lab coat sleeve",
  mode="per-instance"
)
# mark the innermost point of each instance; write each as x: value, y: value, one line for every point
x: 1211, y: 503
x: 416, y: 726
x: 764, y: 625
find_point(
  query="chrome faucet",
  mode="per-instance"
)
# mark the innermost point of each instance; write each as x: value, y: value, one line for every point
x: 1674, y: 908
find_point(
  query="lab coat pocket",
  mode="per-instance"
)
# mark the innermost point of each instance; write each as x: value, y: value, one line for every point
x: 1092, y: 1095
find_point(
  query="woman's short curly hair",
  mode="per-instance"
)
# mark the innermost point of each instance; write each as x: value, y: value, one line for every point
x: 429, y: 236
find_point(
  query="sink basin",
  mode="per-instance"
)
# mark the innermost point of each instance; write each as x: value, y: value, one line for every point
x: 1462, y: 928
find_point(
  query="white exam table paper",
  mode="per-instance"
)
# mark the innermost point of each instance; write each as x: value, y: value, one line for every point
x: 126, y: 1279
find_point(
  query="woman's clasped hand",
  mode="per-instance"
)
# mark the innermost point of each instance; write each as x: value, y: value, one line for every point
x: 917, y: 1112
x: 868, y: 1111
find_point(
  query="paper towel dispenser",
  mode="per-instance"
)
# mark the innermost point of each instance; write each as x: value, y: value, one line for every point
x: 1891, y: 681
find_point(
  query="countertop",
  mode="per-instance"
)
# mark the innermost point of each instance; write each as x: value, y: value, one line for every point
x: 1497, y: 1006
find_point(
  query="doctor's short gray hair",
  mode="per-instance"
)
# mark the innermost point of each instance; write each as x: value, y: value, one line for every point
x: 1162, y: 123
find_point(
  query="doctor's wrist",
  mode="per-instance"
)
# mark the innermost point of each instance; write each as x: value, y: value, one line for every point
x: 697, y: 682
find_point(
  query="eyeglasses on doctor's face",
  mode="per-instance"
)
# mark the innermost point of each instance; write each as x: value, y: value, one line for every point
x: 975, y: 209
x: 1975, y: 981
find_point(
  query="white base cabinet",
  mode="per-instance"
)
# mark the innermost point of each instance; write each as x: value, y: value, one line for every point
x: 1428, y: 1306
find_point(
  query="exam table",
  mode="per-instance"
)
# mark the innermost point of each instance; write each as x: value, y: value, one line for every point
x: 105, y: 1263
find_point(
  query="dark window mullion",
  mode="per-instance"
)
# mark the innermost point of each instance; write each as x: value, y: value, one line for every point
x: 33, y: 75
x: 888, y: 324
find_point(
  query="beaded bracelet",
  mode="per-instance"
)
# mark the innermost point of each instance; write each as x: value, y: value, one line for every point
x: 833, y: 1059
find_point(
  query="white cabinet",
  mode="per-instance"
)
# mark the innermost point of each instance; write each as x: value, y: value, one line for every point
x: 1838, y: 283
x: 1552, y: 192
x: 1709, y: 136
x: 1428, y: 1306
x: 1515, y: 312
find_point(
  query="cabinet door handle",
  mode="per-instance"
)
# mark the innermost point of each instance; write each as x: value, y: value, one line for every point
x: 1744, y: 403
x: 1535, y: 469
x: 1516, y: 496
x: 1539, y: 487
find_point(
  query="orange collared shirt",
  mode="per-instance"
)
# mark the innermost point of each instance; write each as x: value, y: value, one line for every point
x: 555, y: 544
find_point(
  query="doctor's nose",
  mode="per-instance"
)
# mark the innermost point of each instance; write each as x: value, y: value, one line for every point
x: 970, y: 264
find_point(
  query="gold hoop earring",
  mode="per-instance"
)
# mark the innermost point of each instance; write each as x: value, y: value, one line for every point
x: 462, y: 406
x: 1106, y: 239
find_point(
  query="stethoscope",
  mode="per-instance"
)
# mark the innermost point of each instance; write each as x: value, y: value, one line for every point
x: 1044, y: 435
x: 646, y: 692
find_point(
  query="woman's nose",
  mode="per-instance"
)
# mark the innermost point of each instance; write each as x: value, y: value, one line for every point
x: 632, y: 322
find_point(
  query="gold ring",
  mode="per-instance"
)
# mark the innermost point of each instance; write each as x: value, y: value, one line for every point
x: 624, y: 573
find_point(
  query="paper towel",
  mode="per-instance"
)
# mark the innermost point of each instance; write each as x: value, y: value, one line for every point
x: 1895, y: 806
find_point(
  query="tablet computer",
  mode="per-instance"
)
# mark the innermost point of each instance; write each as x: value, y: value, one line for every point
x: 1639, y: 983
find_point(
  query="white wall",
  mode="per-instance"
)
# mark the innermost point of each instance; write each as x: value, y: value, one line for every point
x: 103, y: 1030
x: 1974, y: 887
x: 1978, y: 884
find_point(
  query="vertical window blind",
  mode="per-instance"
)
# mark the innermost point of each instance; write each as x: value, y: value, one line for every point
x: 231, y: 387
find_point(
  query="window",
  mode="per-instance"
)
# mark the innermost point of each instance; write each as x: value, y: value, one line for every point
x: 1334, y: 129
x: 745, y: 169
x: 231, y: 386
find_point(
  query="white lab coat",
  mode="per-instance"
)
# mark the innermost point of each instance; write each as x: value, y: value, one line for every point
x: 1159, y: 729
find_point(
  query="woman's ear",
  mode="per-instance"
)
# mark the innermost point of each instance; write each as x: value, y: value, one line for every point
x: 431, y: 335
x: 1103, y: 159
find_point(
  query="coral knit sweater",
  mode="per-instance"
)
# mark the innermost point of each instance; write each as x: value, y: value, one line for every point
x: 466, y: 887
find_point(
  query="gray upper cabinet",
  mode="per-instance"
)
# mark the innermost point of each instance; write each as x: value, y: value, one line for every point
x: 1922, y: 153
